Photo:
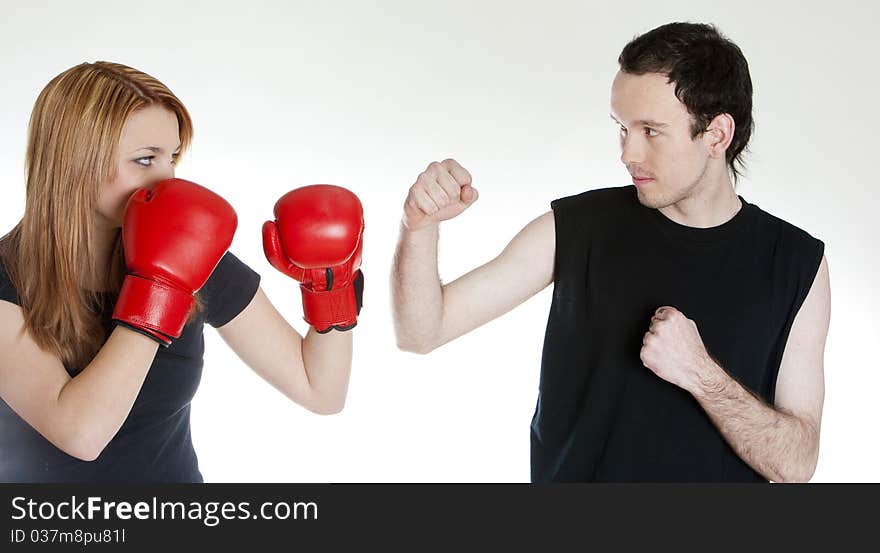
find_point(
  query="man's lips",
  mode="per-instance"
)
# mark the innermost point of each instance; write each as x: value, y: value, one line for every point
x: 641, y: 180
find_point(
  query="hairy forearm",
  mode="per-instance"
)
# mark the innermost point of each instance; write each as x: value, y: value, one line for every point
x: 779, y: 445
x: 416, y: 290
x: 92, y: 406
x: 327, y: 361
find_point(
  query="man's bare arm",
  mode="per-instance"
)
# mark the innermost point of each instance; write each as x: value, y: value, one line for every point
x: 779, y: 441
x: 427, y: 313
x: 782, y: 443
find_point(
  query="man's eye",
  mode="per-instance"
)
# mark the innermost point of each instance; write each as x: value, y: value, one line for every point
x: 622, y: 129
x: 145, y: 161
x: 650, y: 132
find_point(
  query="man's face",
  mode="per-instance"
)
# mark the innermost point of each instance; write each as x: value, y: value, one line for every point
x: 655, y: 139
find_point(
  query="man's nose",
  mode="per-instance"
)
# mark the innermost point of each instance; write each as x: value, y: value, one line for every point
x: 631, y: 150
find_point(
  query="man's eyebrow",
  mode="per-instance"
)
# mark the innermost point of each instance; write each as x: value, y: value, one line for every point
x: 651, y: 123
x: 644, y: 123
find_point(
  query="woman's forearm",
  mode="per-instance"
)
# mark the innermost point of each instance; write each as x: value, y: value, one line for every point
x: 327, y: 361
x: 92, y: 406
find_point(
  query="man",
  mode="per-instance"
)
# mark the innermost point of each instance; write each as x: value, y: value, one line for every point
x: 686, y: 334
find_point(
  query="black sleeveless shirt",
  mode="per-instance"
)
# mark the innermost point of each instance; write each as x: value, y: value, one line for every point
x: 601, y: 414
x: 154, y: 443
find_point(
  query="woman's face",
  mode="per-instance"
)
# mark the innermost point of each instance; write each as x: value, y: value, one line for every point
x: 147, y: 153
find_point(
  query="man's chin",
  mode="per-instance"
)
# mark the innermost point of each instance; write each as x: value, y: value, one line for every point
x: 653, y: 201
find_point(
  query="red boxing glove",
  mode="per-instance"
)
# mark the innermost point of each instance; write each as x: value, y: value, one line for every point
x: 173, y: 236
x: 317, y: 239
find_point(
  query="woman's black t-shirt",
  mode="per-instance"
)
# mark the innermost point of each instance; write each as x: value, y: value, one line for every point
x: 601, y: 415
x: 154, y: 443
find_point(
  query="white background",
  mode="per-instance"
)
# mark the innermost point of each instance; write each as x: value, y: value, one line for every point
x: 365, y: 94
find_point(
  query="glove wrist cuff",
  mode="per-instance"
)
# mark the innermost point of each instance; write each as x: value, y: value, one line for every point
x: 153, y: 306
x: 330, y: 308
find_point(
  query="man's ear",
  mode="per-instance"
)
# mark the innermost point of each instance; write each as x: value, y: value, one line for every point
x: 718, y: 134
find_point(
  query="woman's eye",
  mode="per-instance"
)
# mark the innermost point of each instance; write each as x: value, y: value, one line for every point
x: 650, y: 132
x: 145, y: 161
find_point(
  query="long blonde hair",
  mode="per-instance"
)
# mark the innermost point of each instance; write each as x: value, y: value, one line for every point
x: 73, y: 137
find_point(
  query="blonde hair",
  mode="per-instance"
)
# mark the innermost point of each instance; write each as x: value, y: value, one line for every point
x: 73, y: 137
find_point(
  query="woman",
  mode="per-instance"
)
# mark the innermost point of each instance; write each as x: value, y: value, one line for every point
x: 95, y: 383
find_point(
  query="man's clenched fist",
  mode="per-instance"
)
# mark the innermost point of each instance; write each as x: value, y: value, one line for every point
x: 673, y: 349
x: 441, y: 192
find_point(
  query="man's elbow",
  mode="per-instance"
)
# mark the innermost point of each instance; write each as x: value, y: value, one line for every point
x: 419, y: 343
x: 802, y: 477
x: 414, y: 346
x: 799, y: 473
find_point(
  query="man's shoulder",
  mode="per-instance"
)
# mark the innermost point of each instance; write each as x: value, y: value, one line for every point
x: 606, y: 196
x: 781, y: 229
x: 593, y: 204
x: 788, y: 245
